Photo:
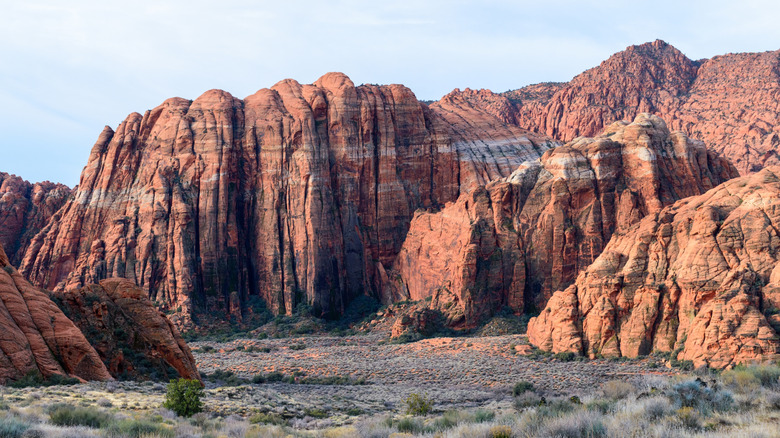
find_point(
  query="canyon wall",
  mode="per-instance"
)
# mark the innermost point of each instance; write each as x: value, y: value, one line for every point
x: 298, y: 194
x: 516, y: 240
x: 699, y: 279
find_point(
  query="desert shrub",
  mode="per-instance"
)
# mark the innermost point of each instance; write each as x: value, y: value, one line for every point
x: 521, y: 387
x: 502, y: 431
x: 104, y: 402
x: 527, y: 400
x: 132, y: 428
x: 689, y: 417
x: 274, y: 377
x: 617, y: 389
x: 582, y: 424
x: 12, y: 427
x: 267, y: 418
x: 298, y: 347
x: 184, y: 397
x: 602, y: 405
x: 482, y: 416
x: 747, y: 378
x: 225, y: 378
x: 555, y: 407
x: 410, y: 425
x: 316, y: 413
x: 773, y: 401
x: 656, y: 408
x: 68, y: 415
x: 565, y: 356
x: 695, y: 394
x: 417, y: 404
x: 35, y: 378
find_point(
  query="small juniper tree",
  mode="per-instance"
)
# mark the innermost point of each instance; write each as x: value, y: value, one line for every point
x: 184, y: 396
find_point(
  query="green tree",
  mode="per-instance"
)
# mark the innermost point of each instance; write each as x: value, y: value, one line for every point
x: 184, y: 396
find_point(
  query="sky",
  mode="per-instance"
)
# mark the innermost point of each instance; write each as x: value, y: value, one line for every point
x: 68, y: 68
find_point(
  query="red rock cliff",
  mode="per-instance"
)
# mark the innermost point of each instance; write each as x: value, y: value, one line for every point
x: 296, y: 194
x: 517, y: 240
x: 731, y: 102
x: 700, y: 278
x: 24, y: 210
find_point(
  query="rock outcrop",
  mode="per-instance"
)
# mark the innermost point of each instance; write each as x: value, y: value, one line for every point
x: 700, y: 279
x: 36, y: 337
x: 132, y: 337
x: 516, y: 240
x: 296, y: 194
x: 24, y: 210
x: 731, y: 102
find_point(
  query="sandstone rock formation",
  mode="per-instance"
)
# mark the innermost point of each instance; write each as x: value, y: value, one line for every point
x: 24, y: 210
x: 296, y: 194
x: 36, y: 337
x: 700, y: 279
x: 516, y: 240
x: 731, y: 102
x: 132, y: 337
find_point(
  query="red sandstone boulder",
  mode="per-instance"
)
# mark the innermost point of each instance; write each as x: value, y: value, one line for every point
x: 36, y: 337
x: 132, y: 337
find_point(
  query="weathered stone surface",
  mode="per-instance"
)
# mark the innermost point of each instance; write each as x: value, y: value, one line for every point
x: 24, y: 210
x: 417, y: 323
x: 698, y: 278
x: 132, y: 337
x: 35, y: 336
x: 516, y: 240
x: 731, y: 102
x: 296, y: 194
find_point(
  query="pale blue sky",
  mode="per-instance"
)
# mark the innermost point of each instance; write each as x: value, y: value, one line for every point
x: 67, y: 68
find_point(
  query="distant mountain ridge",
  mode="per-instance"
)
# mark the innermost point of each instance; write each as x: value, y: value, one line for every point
x: 731, y: 102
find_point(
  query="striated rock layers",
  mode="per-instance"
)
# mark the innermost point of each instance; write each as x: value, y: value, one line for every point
x: 731, y: 102
x: 24, y: 210
x: 700, y: 279
x: 36, y: 337
x: 132, y: 337
x: 296, y: 194
x: 515, y: 241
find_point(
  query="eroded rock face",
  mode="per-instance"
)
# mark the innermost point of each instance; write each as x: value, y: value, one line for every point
x: 516, y: 240
x: 700, y: 278
x: 35, y: 336
x: 296, y: 194
x: 731, y: 102
x: 132, y: 337
x: 25, y: 209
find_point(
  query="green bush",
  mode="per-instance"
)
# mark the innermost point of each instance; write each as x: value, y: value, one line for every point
x: 565, y: 356
x: 183, y: 397
x: 267, y: 418
x: 521, y: 387
x: 417, y: 404
x: 139, y: 428
x: 12, y: 427
x: 410, y: 425
x: 35, y: 378
x: 69, y: 415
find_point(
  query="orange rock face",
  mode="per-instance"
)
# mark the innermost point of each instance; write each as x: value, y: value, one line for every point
x: 731, y: 102
x: 516, y: 240
x: 296, y: 194
x: 35, y: 336
x: 132, y: 337
x: 698, y: 278
x: 25, y: 209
